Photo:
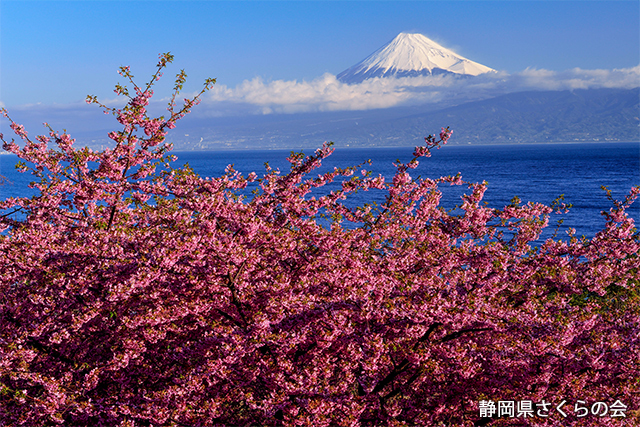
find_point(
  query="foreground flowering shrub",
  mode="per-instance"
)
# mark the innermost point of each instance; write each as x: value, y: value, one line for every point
x: 137, y: 296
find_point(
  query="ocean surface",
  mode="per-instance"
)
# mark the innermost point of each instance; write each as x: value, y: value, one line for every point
x: 537, y: 173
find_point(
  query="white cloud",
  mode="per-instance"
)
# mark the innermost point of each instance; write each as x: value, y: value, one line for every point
x: 578, y: 78
x: 326, y: 93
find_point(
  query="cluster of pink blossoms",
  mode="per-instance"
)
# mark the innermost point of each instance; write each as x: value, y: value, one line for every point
x: 130, y: 296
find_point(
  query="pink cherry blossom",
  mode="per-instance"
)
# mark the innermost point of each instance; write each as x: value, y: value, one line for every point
x: 135, y: 295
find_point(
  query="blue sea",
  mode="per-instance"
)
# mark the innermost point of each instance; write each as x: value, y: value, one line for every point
x: 535, y: 172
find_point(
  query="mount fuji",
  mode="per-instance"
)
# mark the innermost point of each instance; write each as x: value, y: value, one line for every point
x: 409, y: 55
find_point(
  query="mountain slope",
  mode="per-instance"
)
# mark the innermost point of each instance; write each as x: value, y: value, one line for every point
x: 411, y: 55
x: 523, y: 117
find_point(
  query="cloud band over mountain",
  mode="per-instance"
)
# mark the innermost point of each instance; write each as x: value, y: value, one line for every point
x: 327, y: 93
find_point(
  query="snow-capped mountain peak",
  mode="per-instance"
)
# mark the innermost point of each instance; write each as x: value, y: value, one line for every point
x: 411, y: 55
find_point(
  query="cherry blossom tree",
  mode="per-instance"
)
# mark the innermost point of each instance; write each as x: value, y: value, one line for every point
x: 135, y: 293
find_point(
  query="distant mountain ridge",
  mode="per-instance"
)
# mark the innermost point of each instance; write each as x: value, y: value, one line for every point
x: 582, y: 115
x: 585, y: 115
x: 409, y: 55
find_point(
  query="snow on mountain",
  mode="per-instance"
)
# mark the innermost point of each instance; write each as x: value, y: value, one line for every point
x: 411, y: 55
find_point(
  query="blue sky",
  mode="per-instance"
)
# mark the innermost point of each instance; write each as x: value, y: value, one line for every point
x: 56, y: 53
